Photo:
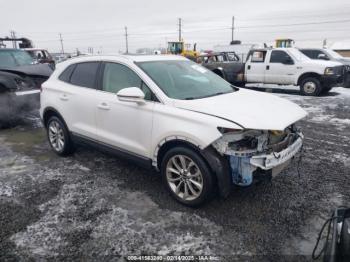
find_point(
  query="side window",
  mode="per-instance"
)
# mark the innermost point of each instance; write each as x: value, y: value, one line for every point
x: 220, y: 58
x: 85, y: 74
x: 258, y: 56
x: 117, y: 77
x: 232, y: 57
x: 149, y: 96
x: 308, y: 53
x: 65, y: 75
x: 317, y: 53
x: 278, y: 56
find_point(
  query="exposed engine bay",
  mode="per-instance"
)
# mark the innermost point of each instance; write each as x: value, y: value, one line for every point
x: 251, y: 151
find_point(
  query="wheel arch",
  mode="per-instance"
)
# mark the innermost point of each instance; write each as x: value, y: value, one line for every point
x: 50, y: 111
x: 217, y: 164
x: 220, y: 72
x: 170, y: 142
x: 308, y: 74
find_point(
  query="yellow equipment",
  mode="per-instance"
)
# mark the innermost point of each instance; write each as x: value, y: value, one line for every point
x: 180, y: 48
x: 284, y: 42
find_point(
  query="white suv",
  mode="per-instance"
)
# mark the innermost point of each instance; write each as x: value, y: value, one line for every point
x: 169, y: 113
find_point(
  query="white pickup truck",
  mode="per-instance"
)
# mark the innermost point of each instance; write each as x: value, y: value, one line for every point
x: 288, y: 66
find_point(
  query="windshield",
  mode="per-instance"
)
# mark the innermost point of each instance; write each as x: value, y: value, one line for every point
x: 298, y: 55
x: 185, y: 79
x: 13, y: 58
x: 334, y: 54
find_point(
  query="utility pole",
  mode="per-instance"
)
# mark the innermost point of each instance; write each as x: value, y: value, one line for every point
x: 13, y: 36
x: 179, y: 29
x: 61, y: 40
x: 233, y: 28
x: 126, y: 40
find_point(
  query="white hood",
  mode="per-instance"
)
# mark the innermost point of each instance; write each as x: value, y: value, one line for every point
x: 322, y: 63
x: 250, y: 109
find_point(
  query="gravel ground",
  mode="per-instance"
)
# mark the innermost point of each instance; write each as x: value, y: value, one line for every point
x: 92, y: 206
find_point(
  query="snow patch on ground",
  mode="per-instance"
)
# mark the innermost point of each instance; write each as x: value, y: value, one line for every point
x: 5, y: 190
x: 340, y: 121
x: 119, y: 222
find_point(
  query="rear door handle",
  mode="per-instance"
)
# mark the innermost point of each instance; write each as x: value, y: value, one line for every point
x: 64, y: 97
x: 104, y: 106
x: 248, y: 67
x: 267, y: 67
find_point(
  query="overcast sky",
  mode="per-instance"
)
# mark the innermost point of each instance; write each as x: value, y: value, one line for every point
x: 151, y: 23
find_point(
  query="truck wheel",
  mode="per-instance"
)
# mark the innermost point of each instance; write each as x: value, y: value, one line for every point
x: 187, y: 176
x: 310, y: 86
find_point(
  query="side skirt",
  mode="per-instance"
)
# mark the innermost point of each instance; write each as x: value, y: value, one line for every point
x: 129, y: 156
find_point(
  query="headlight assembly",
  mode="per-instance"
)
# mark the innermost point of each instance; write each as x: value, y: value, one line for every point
x: 329, y: 71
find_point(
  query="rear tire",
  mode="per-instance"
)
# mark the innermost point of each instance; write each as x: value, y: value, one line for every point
x: 58, y: 136
x: 310, y: 86
x: 187, y: 176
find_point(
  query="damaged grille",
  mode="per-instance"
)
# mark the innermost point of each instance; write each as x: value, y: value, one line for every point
x: 243, y: 146
x: 252, y: 142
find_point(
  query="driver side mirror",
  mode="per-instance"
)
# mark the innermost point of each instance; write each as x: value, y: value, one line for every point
x: 322, y: 56
x: 131, y: 94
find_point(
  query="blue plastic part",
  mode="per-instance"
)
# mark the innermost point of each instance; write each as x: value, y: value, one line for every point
x: 241, y: 170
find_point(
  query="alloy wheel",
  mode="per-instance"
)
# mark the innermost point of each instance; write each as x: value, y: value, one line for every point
x: 184, y: 177
x: 56, y: 136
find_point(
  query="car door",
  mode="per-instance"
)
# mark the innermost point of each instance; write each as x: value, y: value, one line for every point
x: 255, y: 67
x: 280, y: 69
x: 76, y: 95
x: 126, y: 126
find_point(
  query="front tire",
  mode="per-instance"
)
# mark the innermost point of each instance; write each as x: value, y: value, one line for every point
x: 187, y: 176
x: 58, y: 136
x: 310, y: 86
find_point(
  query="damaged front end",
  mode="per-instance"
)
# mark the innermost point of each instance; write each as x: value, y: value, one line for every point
x: 256, y: 153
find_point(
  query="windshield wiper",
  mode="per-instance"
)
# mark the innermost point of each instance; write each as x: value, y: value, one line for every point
x: 200, y: 97
x: 191, y: 98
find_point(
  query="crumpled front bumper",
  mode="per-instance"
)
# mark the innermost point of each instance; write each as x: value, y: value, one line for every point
x: 245, y: 168
x: 269, y: 161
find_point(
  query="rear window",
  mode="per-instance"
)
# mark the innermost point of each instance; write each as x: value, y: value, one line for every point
x: 85, y: 74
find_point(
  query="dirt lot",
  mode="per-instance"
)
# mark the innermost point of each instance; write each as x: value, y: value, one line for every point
x: 92, y: 206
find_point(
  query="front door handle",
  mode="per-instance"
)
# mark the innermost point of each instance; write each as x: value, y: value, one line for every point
x: 248, y: 67
x: 64, y: 97
x: 104, y: 106
x: 267, y: 67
